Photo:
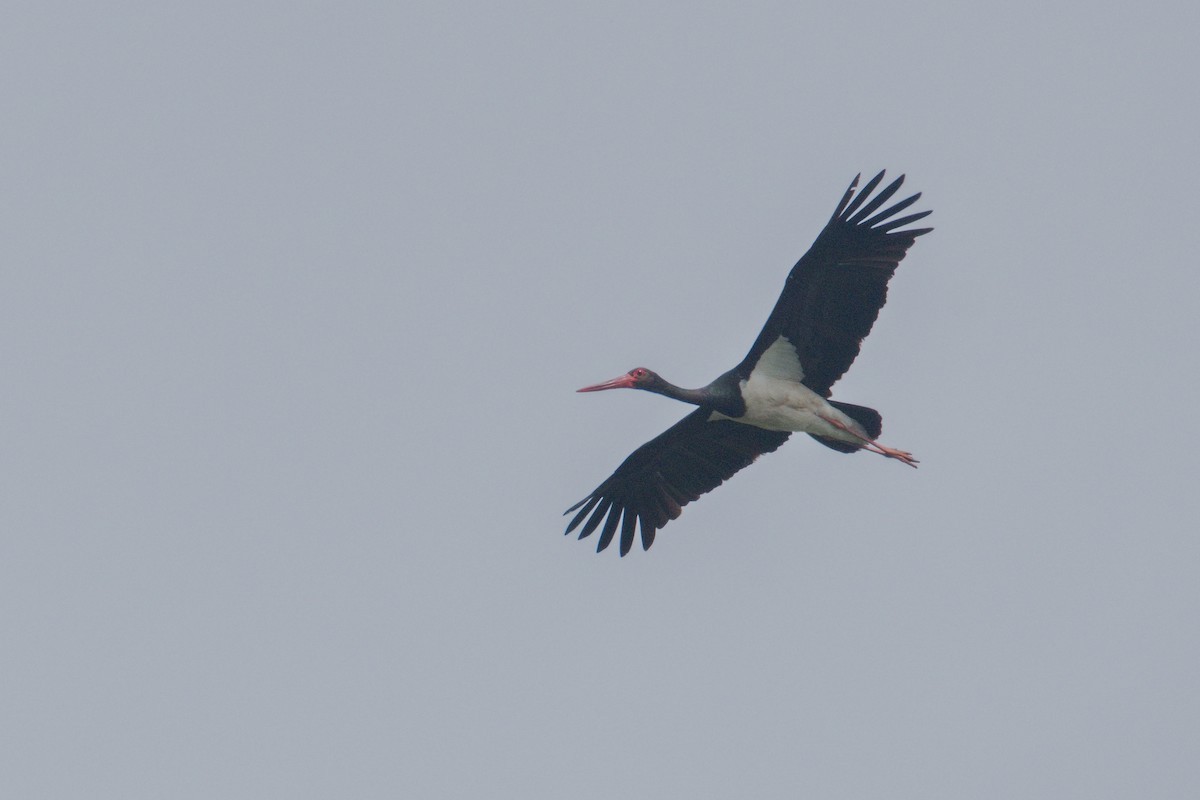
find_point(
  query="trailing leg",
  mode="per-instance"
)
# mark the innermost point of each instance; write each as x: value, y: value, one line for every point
x: 902, y: 456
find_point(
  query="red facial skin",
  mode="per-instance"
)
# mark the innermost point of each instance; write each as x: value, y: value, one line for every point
x: 630, y: 380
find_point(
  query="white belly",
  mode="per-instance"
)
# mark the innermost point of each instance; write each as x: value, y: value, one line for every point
x: 781, y: 405
x: 777, y: 400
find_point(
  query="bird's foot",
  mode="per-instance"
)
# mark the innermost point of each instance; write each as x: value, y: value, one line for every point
x: 901, y: 455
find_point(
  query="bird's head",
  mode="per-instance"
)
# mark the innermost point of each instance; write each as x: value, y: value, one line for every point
x: 638, y: 378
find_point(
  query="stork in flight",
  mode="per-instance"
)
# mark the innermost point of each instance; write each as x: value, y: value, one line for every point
x: 829, y: 302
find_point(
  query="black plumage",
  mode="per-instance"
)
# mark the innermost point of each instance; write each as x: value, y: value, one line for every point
x: 829, y: 303
x: 833, y: 295
x: 656, y: 481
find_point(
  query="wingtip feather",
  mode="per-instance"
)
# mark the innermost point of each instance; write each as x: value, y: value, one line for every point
x: 899, y: 223
x: 862, y: 195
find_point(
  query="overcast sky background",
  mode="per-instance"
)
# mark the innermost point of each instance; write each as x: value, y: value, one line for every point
x: 294, y: 299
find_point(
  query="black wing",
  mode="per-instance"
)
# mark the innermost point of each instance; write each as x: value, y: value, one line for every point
x: 658, y: 479
x: 833, y: 294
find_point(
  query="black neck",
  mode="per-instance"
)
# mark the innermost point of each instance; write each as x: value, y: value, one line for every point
x: 724, y: 394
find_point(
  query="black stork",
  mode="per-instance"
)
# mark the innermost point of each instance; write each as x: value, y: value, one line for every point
x: 829, y: 302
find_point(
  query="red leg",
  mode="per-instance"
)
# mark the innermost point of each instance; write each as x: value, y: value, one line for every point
x: 875, y: 447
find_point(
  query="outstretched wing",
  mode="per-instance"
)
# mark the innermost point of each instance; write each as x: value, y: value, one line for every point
x: 658, y: 479
x: 833, y: 294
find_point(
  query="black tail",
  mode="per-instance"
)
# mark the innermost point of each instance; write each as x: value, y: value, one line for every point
x: 867, y: 417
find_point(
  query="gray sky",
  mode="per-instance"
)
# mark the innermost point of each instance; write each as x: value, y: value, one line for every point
x: 295, y: 298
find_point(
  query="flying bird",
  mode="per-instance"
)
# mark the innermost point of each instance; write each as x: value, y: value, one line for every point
x: 829, y: 302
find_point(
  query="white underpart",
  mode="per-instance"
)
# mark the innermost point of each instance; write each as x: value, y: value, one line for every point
x: 776, y: 400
